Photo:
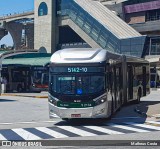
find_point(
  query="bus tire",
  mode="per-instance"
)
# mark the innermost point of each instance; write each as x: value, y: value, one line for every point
x: 19, y: 88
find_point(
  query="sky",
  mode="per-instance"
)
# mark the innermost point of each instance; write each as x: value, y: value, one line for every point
x: 11, y: 7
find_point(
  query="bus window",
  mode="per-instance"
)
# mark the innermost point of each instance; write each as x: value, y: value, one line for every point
x: 64, y: 84
x: 45, y: 78
x: 67, y: 84
x: 37, y: 77
x: 130, y: 82
x: 90, y: 84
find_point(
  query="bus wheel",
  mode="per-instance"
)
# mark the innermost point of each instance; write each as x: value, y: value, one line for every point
x: 19, y: 88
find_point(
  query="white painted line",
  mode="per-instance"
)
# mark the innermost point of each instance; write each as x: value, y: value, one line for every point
x: 25, y: 134
x: 144, y: 125
x: 105, y: 130
x: 126, y: 118
x: 6, y: 123
x: 77, y: 131
x: 2, y: 137
x: 51, y: 132
x: 127, y: 127
x: 153, y: 122
x: 27, y: 122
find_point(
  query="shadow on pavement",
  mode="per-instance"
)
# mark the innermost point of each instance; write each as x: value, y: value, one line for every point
x: 149, y: 108
x: 80, y: 122
x: 6, y: 100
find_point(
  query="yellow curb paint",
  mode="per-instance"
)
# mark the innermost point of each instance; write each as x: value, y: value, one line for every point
x: 152, y: 124
x: 24, y: 96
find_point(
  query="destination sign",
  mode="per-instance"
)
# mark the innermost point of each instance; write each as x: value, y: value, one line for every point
x: 77, y: 69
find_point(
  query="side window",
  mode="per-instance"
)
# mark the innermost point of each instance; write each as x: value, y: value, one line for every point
x: 43, y: 9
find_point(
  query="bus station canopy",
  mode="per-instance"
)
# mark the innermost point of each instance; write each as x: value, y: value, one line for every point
x: 28, y: 59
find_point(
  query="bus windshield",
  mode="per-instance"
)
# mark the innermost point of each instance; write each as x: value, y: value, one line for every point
x: 72, y: 84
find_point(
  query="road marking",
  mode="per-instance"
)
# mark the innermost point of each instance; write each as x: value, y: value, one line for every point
x: 143, y: 125
x: 2, y: 137
x: 6, y: 123
x: 27, y: 122
x: 25, y: 134
x: 126, y: 127
x: 153, y: 122
x: 77, y: 131
x: 39, y: 133
x: 51, y: 132
x: 105, y: 130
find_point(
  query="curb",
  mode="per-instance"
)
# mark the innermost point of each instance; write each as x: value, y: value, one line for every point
x: 144, y: 113
x: 24, y: 96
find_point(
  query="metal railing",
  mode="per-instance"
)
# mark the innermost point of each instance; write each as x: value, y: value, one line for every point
x: 16, y: 14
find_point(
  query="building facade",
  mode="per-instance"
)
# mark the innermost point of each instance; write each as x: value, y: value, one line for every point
x: 144, y: 16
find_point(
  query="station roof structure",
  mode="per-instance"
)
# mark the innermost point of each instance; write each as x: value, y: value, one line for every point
x: 28, y: 59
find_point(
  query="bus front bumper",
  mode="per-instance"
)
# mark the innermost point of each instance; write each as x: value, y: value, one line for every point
x: 99, y: 111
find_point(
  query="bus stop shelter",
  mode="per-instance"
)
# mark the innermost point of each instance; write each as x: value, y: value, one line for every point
x: 22, y: 59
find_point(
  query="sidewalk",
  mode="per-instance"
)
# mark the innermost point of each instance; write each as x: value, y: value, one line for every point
x: 150, y: 105
x: 33, y: 95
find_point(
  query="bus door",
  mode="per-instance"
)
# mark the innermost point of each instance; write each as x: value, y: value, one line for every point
x: 117, y: 86
x: 130, y: 82
x: 144, y: 83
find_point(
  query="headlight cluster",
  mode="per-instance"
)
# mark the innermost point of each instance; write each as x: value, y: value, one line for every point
x: 100, y: 100
x: 52, y: 100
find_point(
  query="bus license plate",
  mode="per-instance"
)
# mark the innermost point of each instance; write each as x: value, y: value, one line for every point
x: 75, y: 115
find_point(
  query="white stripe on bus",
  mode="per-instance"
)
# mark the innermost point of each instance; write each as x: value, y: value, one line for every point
x: 77, y: 131
x: 25, y: 134
x: 105, y: 130
x: 51, y: 132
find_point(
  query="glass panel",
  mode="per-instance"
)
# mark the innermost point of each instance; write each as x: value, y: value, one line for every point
x: 43, y: 9
x: 102, y: 41
x: 79, y: 21
x: 91, y: 84
x: 73, y: 15
x: 94, y: 34
x: 66, y: 84
x: 37, y: 75
x: 45, y: 78
x: 87, y: 28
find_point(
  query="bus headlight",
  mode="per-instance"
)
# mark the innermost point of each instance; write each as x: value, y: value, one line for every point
x: 101, y: 100
x: 53, y: 100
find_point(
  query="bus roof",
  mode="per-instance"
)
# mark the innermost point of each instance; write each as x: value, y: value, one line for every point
x: 79, y: 55
x: 88, y: 55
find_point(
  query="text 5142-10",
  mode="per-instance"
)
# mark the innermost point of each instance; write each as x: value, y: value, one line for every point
x: 77, y: 69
